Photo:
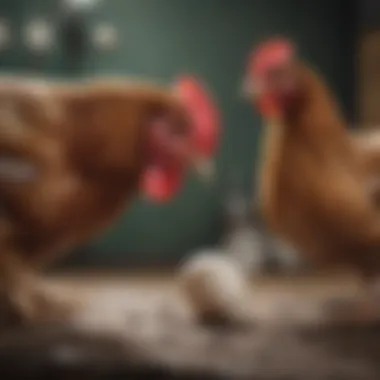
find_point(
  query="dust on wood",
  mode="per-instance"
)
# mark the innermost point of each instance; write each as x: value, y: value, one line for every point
x: 141, y: 329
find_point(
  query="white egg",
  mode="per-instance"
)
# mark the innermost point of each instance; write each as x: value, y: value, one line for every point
x: 215, y: 284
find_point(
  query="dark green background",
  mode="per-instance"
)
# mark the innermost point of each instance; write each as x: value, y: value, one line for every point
x: 210, y: 38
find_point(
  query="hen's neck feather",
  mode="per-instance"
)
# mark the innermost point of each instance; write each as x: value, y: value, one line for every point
x: 317, y: 116
x: 315, y: 123
x: 107, y: 125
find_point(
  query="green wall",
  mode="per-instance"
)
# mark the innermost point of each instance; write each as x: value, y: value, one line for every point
x: 211, y: 38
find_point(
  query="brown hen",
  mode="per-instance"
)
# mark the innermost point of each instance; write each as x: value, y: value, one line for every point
x: 72, y: 157
x: 316, y: 179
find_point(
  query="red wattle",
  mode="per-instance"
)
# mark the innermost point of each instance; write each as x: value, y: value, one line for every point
x: 267, y: 107
x: 158, y: 185
x: 268, y: 54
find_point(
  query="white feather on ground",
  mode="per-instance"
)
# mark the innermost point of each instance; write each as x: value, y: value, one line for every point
x: 215, y: 282
x: 216, y: 286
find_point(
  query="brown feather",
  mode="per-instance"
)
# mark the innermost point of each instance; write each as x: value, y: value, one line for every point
x: 315, y: 191
x: 87, y: 142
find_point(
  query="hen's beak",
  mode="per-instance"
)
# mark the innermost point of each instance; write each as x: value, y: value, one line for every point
x: 204, y: 168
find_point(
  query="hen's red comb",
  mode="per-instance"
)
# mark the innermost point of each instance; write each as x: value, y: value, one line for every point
x: 203, y: 111
x: 269, y: 54
x: 161, y: 185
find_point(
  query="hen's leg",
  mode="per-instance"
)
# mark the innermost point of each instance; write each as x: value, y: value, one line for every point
x: 25, y: 298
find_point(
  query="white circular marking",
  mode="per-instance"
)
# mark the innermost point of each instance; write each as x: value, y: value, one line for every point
x: 39, y: 35
x: 105, y: 36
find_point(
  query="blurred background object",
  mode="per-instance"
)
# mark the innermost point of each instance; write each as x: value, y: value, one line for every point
x: 160, y: 40
x: 5, y: 34
x: 104, y: 36
x: 368, y: 58
x: 39, y: 35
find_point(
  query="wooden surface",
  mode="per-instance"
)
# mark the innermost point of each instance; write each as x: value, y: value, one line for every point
x: 140, y: 328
